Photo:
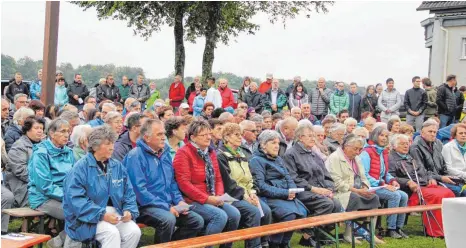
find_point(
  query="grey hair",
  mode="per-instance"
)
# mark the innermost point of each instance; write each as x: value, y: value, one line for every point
x: 109, y: 105
x: 134, y: 104
x: 56, y: 124
x: 428, y: 123
x: 394, y: 141
x: 197, y: 126
x: 88, y: 106
x: 305, y: 121
x: 318, y: 128
x: 374, y: 135
x: 110, y: 116
x: 80, y: 132
x: 257, y: 118
x: 243, y: 125
x: 337, y: 127
x: 361, y: 130
x: 19, y: 95
x: 370, y: 118
x: 253, y: 83
x: 266, y: 113
x: 21, y: 114
x: 380, y: 124
x: 351, y: 139
x: 99, y: 135
x: 350, y: 120
x: 395, y: 117
x: 303, y: 126
x: 268, y: 135
x: 68, y: 115
x: 146, y: 128
x: 295, y: 109
x: 225, y: 116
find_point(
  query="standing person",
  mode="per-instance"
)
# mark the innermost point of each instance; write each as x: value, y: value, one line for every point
x: 150, y: 170
x: 298, y: 97
x: 213, y: 95
x: 99, y: 201
x: 61, y: 96
x: 320, y: 99
x: 176, y: 92
x: 378, y: 89
x: 140, y: 91
x: 199, y: 102
x: 339, y: 99
x: 244, y: 89
x: 459, y: 94
x: 228, y: 99
x: 389, y: 101
x: 275, y: 98
x: 355, y: 100
x: 192, y: 96
x: 154, y: 95
x: 254, y: 98
x: 431, y: 105
x: 415, y: 103
x: 267, y: 84
x: 289, y: 89
x: 369, y: 101
x: 76, y: 91
x: 108, y: 91
x: 36, y: 86
x: 192, y: 87
x: 17, y: 87
x: 124, y: 89
x: 446, y: 101
x: 199, y: 179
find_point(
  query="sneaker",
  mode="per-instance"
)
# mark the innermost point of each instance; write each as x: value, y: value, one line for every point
x: 404, y: 235
x: 307, y: 242
x: 394, y: 234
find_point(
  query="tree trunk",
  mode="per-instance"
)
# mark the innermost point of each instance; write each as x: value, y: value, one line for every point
x: 211, y: 37
x: 179, y: 42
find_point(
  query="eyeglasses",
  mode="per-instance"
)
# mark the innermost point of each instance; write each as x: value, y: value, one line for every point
x: 204, y: 135
x: 252, y: 131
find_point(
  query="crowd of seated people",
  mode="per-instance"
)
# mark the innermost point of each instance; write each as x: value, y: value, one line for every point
x: 194, y: 165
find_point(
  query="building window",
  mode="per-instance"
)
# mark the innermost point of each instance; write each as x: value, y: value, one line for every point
x: 463, y: 47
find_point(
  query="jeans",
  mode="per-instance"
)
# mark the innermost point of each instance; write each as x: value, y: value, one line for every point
x: 164, y: 222
x: 251, y: 217
x: 445, y: 120
x: 415, y: 121
x: 456, y: 189
x: 395, y: 199
x: 217, y: 219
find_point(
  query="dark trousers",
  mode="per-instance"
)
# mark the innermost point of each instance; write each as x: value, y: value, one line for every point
x: 251, y: 217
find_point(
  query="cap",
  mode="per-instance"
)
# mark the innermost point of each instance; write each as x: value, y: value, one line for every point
x: 269, y: 75
x: 184, y: 105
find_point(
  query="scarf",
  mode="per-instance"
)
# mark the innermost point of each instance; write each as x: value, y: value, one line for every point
x: 462, y: 148
x: 236, y: 153
x: 403, y: 156
x: 209, y: 170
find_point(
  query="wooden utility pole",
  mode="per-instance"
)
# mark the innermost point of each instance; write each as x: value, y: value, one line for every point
x: 52, y: 14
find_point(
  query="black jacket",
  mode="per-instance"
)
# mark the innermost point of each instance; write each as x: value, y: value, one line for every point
x: 400, y: 167
x: 106, y: 92
x: 255, y: 100
x: 369, y: 104
x: 14, y: 88
x: 459, y: 103
x: 79, y: 89
x: 446, y: 100
x: 415, y: 100
x: 430, y: 159
x: 190, y: 89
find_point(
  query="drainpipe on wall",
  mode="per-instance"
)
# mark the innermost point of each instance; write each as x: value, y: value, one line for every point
x: 445, y: 56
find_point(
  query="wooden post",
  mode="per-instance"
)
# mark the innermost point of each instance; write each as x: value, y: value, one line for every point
x: 52, y: 14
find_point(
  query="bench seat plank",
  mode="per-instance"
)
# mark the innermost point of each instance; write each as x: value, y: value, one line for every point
x: 249, y: 233
x: 38, y: 239
x: 22, y: 212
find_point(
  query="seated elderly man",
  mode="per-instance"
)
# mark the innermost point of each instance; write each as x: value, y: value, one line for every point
x: 286, y: 129
x: 83, y: 115
x: 296, y: 113
x: 427, y: 152
x: 106, y: 107
x: 335, y: 138
x: 99, y: 202
x: 249, y: 137
x: 417, y: 182
x: 259, y: 120
x: 350, y: 124
x: 454, y: 152
x: 306, y: 114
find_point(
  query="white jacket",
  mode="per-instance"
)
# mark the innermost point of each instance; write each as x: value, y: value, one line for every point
x: 214, y: 96
x: 455, y: 162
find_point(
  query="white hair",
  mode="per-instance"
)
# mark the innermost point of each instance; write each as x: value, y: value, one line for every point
x: 109, y: 105
x: 295, y: 109
x: 268, y: 135
x: 395, y: 140
x: 80, y: 133
x: 253, y: 83
x: 380, y: 124
x: 318, y: 129
x: 361, y: 131
x: 337, y: 127
x: 244, y: 124
x: 110, y: 116
x: 21, y: 114
x: 350, y: 120
x: 305, y: 122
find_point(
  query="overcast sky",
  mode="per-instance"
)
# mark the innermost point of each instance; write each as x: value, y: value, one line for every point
x: 364, y: 42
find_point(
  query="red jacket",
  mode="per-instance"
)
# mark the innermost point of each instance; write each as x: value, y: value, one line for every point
x: 264, y: 87
x: 176, y: 95
x: 190, y: 174
x: 228, y: 99
x: 375, y: 161
x: 191, y: 101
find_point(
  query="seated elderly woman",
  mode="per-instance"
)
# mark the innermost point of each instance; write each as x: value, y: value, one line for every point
x: 362, y: 133
x: 351, y: 184
x: 454, y: 152
x: 393, y: 125
x: 375, y: 161
x: 273, y: 182
x: 198, y: 176
x: 79, y: 138
x: 238, y: 183
x: 13, y: 132
x: 115, y: 121
x: 369, y: 123
x: 350, y: 124
x: 417, y: 182
x: 50, y: 162
x: 335, y: 137
x: 308, y: 171
x: 328, y: 121
x: 320, y: 137
x: 99, y: 201
x: 17, y: 176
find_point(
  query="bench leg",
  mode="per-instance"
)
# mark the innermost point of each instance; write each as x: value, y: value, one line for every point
x: 337, y: 236
x: 41, y: 225
x: 328, y: 235
x: 372, y: 227
x: 353, y: 245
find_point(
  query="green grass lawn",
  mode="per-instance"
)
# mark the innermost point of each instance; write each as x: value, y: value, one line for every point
x: 413, y: 229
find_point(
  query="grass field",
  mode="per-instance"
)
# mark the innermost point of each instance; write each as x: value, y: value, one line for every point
x: 413, y: 229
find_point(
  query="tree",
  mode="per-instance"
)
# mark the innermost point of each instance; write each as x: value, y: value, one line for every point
x: 8, y: 67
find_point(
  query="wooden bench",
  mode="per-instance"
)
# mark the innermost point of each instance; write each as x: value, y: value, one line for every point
x: 29, y: 215
x: 294, y: 225
x: 37, y: 239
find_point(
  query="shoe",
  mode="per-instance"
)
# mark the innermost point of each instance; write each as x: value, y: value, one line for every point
x: 378, y: 241
x: 348, y: 240
x: 394, y: 234
x: 404, y: 235
x: 56, y: 242
x: 307, y: 242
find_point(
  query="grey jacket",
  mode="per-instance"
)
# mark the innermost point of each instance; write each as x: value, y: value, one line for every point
x: 320, y: 102
x: 142, y: 92
x: 331, y: 144
x: 17, y: 176
x: 390, y: 100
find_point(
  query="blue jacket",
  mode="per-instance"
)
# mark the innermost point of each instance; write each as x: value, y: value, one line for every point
x: 47, y: 170
x: 12, y: 134
x: 198, y: 105
x: 443, y: 134
x: 61, y: 96
x: 152, y: 176
x: 96, y: 122
x: 122, y: 146
x: 87, y: 190
x: 36, y: 87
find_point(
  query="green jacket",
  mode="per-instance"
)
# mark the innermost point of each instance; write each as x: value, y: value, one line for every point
x: 154, y: 96
x: 431, y: 108
x: 282, y: 100
x: 236, y: 176
x: 124, y: 92
x: 338, y: 102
